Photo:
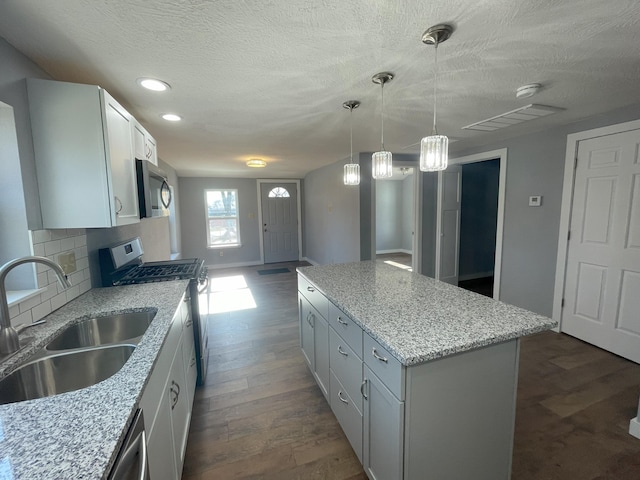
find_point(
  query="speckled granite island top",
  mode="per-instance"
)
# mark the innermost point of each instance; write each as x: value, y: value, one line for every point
x: 77, y: 434
x: 418, y: 318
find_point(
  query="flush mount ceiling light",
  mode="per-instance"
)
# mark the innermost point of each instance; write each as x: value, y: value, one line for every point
x: 171, y: 117
x: 256, y: 163
x: 351, y: 170
x: 382, y: 160
x: 434, y: 149
x: 153, y: 84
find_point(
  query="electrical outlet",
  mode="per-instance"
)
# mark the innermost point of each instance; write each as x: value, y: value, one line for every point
x: 221, y: 253
x: 251, y: 216
x: 68, y: 262
x: 535, y: 201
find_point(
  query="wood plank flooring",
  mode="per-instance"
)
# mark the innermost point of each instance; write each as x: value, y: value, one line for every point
x: 261, y: 415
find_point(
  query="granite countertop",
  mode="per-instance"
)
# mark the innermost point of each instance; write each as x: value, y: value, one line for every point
x: 416, y: 317
x: 77, y: 434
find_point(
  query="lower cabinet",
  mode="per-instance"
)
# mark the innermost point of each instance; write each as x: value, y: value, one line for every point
x: 314, y: 340
x: 167, y: 400
x: 383, y: 430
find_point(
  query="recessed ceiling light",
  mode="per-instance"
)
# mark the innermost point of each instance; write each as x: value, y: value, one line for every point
x: 153, y: 84
x: 171, y: 117
x: 256, y: 163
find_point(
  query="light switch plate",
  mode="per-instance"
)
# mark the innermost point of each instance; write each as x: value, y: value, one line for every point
x: 535, y: 201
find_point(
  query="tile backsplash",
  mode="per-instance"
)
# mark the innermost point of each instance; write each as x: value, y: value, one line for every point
x: 50, y: 244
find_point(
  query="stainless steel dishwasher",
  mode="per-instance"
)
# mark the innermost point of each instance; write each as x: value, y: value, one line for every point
x: 132, y: 462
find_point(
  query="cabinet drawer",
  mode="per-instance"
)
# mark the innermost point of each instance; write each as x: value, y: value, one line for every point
x: 349, y: 330
x: 315, y: 296
x: 348, y: 416
x: 347, y: 366
x: 385, y: 366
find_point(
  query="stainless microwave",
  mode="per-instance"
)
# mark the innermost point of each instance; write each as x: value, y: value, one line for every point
x: 154, y: 193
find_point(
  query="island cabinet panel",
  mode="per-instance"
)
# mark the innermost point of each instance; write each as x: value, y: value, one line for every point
x: 346, y: 365
x: 385, y: 366
x: 349, y: 416
x: 460, y: 414
x: 314, y: 295
x: 383, y: 431
x: 314, y: 339
x: 344, y: 326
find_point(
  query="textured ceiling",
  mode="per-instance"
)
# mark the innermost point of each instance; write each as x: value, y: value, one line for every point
x: 267, y: 79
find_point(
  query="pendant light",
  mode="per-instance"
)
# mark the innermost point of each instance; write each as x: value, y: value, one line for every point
x: 434, y: 149
x: 351, y: 170
x: 382, y: 160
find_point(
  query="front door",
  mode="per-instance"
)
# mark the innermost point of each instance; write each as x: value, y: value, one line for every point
x: 279, y: 221
x: 602, y: 289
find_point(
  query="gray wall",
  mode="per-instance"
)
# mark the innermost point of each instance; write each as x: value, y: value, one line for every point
x: 530, y: 242
x: 388, y: 215
x: 408, y: 208
x: 14, y: 69
x: 478, y: 218
x: 193, y: 221
x: 332, y: 210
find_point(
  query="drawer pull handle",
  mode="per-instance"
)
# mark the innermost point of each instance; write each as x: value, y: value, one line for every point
x: 311, y: 289
x: 375, y: 355
x: 342, y: 322
x: 342, y: 352
x: 362, y: 389
x: 343, y: 400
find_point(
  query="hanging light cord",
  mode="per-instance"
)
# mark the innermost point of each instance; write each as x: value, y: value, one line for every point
x: 435, y: 88
x: 351, y: 128
x: 382, y: 117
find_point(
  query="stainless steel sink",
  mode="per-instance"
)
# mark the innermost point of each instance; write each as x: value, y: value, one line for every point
x: 63, y: 372
x: 104, y: 330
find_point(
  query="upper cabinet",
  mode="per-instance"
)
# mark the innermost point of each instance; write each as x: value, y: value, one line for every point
x: 144, y: 145
x: 85, y: 162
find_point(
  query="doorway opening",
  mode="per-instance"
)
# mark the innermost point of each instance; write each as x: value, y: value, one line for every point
x: 470, y: 217
x: 395, y: 217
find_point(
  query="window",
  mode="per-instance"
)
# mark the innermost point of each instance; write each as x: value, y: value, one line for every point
x: 223, y: 226
x: 279, y: 192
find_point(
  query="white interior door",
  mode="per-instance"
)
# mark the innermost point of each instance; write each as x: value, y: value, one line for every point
x: 602, y: 285
x: 279, y: 221
x: 448, y: 241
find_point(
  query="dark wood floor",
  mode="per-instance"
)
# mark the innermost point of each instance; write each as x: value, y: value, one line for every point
x: 261, y: 416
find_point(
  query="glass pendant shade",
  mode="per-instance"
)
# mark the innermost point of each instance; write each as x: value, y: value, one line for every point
x: 434, y: 153
x: 381, y: 165
x: 352, y: 174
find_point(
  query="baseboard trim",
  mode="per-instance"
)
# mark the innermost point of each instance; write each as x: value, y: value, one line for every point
x: 234, y: 265
x: 312, y: 262
x: 397, y: 250
x: 634, y: 427
x: 475, y: 276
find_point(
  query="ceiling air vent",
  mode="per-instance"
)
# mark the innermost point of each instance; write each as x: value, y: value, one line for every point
x: 519, y: 115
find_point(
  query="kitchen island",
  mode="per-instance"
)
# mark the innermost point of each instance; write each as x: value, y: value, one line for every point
x: 78, y: 434
x: 421, y: 375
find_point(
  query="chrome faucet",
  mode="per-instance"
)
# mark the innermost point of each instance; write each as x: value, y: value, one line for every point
x: 9, y: 341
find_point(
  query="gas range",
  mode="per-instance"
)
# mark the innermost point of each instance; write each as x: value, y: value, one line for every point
x: 190, y: 268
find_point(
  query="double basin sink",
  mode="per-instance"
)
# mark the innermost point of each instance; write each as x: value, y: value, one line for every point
x: 83, y: 354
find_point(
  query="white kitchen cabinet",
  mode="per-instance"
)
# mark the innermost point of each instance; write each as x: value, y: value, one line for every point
x: 314, y: 335
x: 144, y: 145
x: 167, y: 401
x: 84, y: 156
x: 383, y: 430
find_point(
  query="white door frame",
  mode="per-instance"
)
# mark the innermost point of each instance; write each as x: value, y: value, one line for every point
x: 299, y: 203
x: 567, y: 200
x: 500, y: 154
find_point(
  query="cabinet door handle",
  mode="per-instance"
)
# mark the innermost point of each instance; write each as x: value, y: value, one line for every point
x: 343, y: 400
x: 193, y: 361
x: 176, y: 392
x: 177, y: 386
x: 375, y: 355
x: 310, y: 315
x: 342, y: 352
x: 364, y: 384
x: 311, y: 289
x: 342, y: 322
x: 117, y: 201
x: 188, y: 323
